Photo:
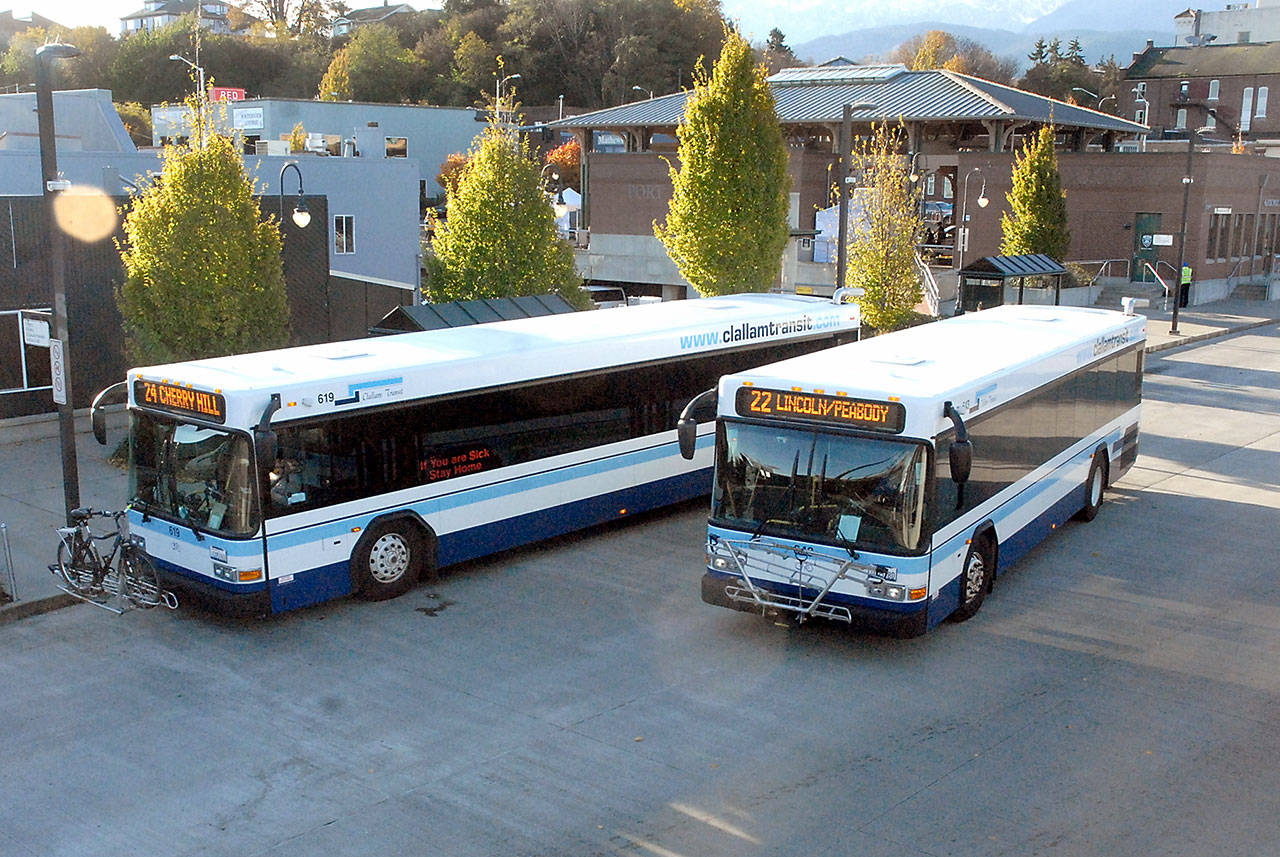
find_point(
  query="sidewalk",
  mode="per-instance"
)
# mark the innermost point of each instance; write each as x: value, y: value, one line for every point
x: 31, y: 499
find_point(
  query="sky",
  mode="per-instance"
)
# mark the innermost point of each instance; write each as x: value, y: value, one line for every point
x: 755, y: 16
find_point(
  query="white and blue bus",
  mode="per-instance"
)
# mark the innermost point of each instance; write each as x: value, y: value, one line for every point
x: 885, y: 483
x: 266, y: 482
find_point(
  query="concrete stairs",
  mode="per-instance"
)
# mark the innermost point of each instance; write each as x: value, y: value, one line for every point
x: 1250, y: 292
x: 1110, y: 295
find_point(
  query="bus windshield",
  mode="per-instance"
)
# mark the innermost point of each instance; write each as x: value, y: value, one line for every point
x: 853, y: 491
x: 197, y: 476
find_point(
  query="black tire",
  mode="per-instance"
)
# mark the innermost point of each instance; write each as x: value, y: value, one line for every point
x: 1094, y: 488
x: 76, y: 568
x: 975, y: 580
x: 141, y: 583
x: 388, y: 560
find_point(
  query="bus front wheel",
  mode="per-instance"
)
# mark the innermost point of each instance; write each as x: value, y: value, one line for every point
x: 975, y: 580
x: 388, y: 560
x: 1094, y: 488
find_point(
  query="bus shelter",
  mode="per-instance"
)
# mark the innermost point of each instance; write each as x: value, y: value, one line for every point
x: 996, y: 280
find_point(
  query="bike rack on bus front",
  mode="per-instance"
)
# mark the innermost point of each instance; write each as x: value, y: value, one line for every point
x: 790, y: 566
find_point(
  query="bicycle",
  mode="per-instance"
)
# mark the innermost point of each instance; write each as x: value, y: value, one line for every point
x: 126, y: 572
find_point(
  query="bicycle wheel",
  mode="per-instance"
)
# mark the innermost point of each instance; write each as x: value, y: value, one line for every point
x: 77, y: 568
x: 141, y: 584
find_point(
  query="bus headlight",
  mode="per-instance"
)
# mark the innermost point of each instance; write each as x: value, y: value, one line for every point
x: 891, y: 591
x: 720, y: 563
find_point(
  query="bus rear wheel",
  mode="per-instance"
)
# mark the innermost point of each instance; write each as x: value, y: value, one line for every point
x: 975, y: 580
x: 1094, y: 488
x: 388, y: 560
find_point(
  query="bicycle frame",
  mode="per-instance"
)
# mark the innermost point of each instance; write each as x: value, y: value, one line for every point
x: 113, y: 576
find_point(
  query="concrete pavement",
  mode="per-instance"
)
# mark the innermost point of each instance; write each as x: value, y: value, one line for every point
x: 31, y: 496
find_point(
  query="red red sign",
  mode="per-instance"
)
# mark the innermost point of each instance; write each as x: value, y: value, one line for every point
x: 225, y: 93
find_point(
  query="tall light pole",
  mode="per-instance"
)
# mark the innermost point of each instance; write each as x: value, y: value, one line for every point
x: 497, y: 92
x: 199, y: 70
x: 843, y: 180
x: 648, y: 92
x: 962, y: 234
x: 1187, y: 181
x: 60, y: 345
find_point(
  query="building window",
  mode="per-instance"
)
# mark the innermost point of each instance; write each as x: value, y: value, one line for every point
x: 948, y: 187
x: 1218, y: 231
x: 1184, y: 88
x: 1260, y: 108
x: 397, y: 147
x: 1210, y: 121
x: 1140, y: 116
x: 344, y: 234
x: 1243, y: 36
x: 1141, y: 90
x: 1246, y: 108
x: 1213, y: 90
x: 1180, y: 118
x: 929, y: 185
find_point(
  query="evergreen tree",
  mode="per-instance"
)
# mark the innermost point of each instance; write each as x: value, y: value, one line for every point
x: 727, y: 223
x: 500, y: 238
x: 203, y: 270
x: 336, y: 83
x: 1040, y: 53
x: 1036, y: 221
x: 887, y: 224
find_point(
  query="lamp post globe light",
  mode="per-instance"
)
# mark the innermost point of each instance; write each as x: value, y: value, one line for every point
x: 962, y: 235
x: 60, y: 342
x: 202, y: 94
x: 648, y: 92
x: 499, y: 89
x: 301, y: 216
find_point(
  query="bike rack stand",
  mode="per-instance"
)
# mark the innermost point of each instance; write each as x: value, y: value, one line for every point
x: 9, y: 592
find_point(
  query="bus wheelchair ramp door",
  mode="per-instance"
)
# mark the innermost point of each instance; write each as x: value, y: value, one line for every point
x: 780, y: 577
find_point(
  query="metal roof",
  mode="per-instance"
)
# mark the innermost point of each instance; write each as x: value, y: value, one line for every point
x: 1207, y: 61
x: 404, y: 319
x: 1029, y: 265
x: 818, y: 95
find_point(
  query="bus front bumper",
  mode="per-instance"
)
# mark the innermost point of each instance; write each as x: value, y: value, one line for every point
x: 730, y: 591
x: 190, y: 590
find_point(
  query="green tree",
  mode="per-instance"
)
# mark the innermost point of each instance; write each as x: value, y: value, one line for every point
x: 336, y: 83
x: 378, y: 67
x: 1036, y: 221
x: 940, y: 49
x: 777, y: 53
x: 886, y: 227
x: 500, y: 238
x: 203, y: 269
x: 727, y: 222
x: 137, y: 121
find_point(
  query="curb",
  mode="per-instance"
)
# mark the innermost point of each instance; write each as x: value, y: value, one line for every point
x: 26, y: 609
x: 1213, y: 334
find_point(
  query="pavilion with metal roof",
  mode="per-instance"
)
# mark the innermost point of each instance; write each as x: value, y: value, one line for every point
x: 975, y: 113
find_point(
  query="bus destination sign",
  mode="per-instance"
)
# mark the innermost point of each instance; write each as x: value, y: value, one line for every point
x: 177, y: 399
x: 835, y: 410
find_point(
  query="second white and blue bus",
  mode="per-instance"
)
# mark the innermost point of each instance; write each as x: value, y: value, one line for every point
x: 266, y: 482
x: 886, y: 483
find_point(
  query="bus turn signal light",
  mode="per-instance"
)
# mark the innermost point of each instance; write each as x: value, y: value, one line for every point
x: 250, y: 575
x: 917, y: 594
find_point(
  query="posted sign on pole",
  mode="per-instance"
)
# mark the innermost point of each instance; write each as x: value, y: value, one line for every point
x: 58, y: 370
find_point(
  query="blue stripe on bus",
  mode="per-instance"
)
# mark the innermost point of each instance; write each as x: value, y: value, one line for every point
x: 209, y: 580
x: 322, y: 583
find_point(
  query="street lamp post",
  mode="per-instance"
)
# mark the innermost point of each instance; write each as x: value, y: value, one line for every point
x: 843, y: 180
x: 199, y: 70
x: 301, y: 216
x: 61, y: 342
x: 962, y: 236
x: 649, y: 92
x: 497, y: 92
x: 1187, y: 181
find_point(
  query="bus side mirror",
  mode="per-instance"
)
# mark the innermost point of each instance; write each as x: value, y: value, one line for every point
x: 687, y: 425
x: 265, y: 447
x: 98, y: 414
x: 961, y: 460
x: 264, y: 439
x: 960, y: 453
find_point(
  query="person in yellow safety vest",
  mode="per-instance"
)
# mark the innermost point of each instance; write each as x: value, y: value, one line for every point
x: 1184, y: 286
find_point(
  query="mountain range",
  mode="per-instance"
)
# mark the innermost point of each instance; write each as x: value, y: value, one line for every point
x: 863, y: 29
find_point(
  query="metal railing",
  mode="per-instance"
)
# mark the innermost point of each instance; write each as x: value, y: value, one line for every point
x: 932, y: 299
x: 1104, y: 267
x: 1160, y: 280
